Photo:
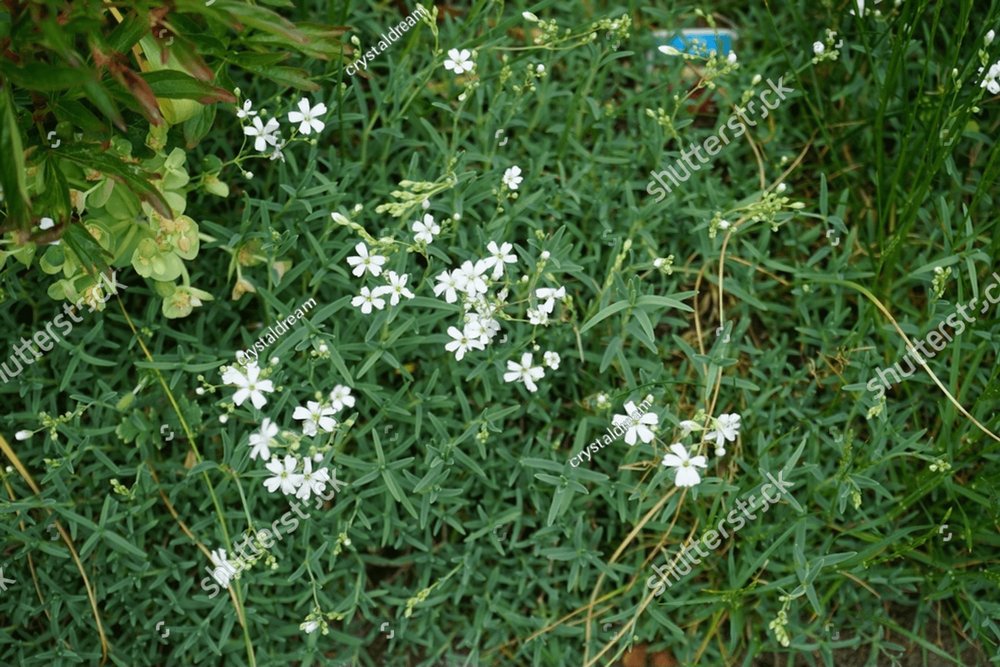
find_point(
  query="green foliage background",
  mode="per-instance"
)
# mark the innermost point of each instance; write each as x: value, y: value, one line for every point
x: 462, y: 506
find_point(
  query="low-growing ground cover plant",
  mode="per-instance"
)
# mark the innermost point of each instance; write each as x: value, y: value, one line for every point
x: 413, y: 364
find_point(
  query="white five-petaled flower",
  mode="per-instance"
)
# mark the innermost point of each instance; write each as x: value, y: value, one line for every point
x: 636, y: 424
x: 308, y: 118
x: 687, y: 474
x: 341, y: 397
x: 498, y: 257
x: 537, y: 317
x: 224, y: 569
x: 284, y: 475
x: 264, y: 135
x: 395, y: 289
x: 470, y: 276
x: 364, y: 262
x: 449, y: 284
x: 312, y: 482
x: 249, y: 385
x: 459, y: 62
x: 247, y: 110
x: 463, y: 341
x: 524, y: 372
x: 314, y: 415
x: 261, y: 440
x: 726, y: 428
x: 990, y: 82
x: 366, y: 300
x: 549, y: 294
x: 427, y: 229
x: 512, y: 177
x: 551, y: 359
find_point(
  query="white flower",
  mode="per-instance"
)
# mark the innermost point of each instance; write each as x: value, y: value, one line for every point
x: 524, y: 372
x: 636, y: 424
x: 989, y: 38
x: 465, y: 340
x: 726, y: 428
x: 247, y: 110
x: 308, y: 117
x: 314, y: 414
x: 498, y: 257
x: 366, y: 300
x: 990, y: 80
x: 669, y: 50
x: 471, y: 277
x: 22, y: 435
x: 224, y: 569
x: 687, y: 475
x: 395, y: 289
x: 731, y: 57
x: 459, y: 61
x: 545, y: 254
x: 720, y: 451
x: 284, y: 475
x: 46, y: 223
x: 309, y: 627
x: 341, y: 397
x: 528, y: 16
x: 687, y: 426
x: 425, y: 204
x: 312, y: 482
x: 277, y: 154
x: 512, y: 177
x: 537, y: 317
x: 448, y: 283
x: 426, y: 230
x: 551, y: 359
x: 364, y: 262
x: 261, y: 440
x: 485, y: 327
x: 264, y: 134
x: 818, y: 48
x: 249, y: 386
x: 550, y: 295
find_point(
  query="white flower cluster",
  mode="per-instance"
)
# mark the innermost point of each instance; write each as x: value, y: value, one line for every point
x: 364, y: 262
x: 471, y: 284
x: 314, y: 415
x: 725, y: 428
x: 268, y: 135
